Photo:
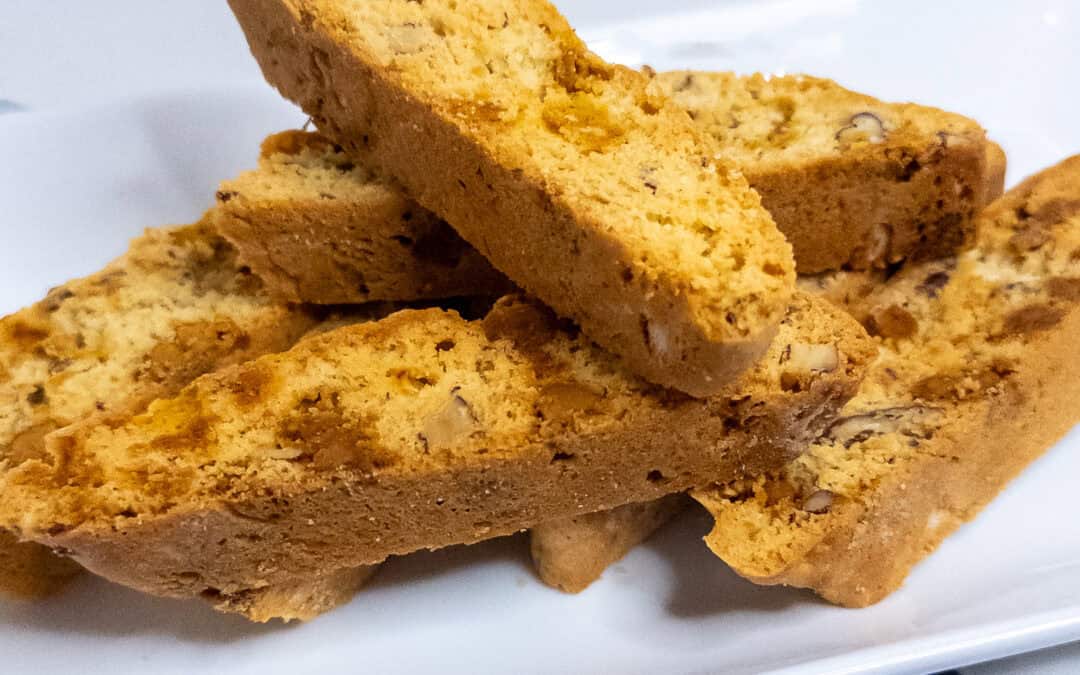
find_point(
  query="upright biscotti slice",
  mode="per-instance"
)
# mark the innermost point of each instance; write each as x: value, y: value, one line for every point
x: 175, y: 306
x: 318, y: 227
x: 850, y: 180
x: 976, y: 378
x: 567, y: 173
x: 417, y: 431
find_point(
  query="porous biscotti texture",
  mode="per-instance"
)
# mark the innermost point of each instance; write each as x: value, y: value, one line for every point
x: 852, y: 181
x: 175, y: 306
x: 317, y: 227
x: 976, y: 378
x: 417, y: 431
x: 567, y: 173
x: 571, y: 553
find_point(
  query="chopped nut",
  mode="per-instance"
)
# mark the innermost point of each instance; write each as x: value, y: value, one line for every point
x: 819, y: 502
x: 1033, y: 319
x: 876, y: 249
x: 37, y: 397
x: 865, y: 127
x: 892, y: 322
x: 914, y: 421
x: 807, y: 358
x: 933, y: 284
x: 453, y: 422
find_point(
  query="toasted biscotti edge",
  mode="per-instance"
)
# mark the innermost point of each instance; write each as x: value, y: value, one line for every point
x: 672, y: 337
x: 851, y: 180
x: 318, y: 228
x: 44, y: 342
x: 239, y: 547
x: 871, y: 544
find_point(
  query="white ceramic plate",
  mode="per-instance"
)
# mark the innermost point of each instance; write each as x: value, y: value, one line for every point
x: 74, y: 186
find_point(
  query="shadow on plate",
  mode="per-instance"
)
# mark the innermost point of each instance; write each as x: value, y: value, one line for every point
x: 703, y: 585
x: 94, y: 606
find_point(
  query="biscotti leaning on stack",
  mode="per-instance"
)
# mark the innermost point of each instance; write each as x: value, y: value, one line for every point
x: 176, y: 305
x: 851, y: 181
x: 976, y: 378
x: 417, y: 431
x: 318, y: 227
x: 565, y: 172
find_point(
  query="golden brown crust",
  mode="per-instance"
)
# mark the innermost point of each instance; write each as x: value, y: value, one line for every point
x: 585, y: 255
x: 948, y: 416
x: 342, y: 493
x: 572, y: 553
x: 175, y: 306
x: 318, y: 228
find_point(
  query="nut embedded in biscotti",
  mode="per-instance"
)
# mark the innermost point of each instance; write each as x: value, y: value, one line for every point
x: 452, y: 423
x: 892, y: 322
x: 819, y: 502
x: 800, y: 357
x: 909, y: 420
x: 864, y: 127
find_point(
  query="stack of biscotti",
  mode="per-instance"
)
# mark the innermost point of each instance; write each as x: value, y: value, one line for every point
x: 263, y: 486
x: 175, y: 306
x: 973, y: 382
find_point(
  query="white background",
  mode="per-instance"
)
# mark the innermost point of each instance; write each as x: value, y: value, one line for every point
x: 166, y: 97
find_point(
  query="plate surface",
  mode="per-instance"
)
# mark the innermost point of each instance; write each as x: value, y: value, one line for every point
x: 76, y: 185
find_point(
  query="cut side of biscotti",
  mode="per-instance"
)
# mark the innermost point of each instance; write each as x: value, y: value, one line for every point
x: 317, y: 227
x: 975, y: 379
x: 175, y: 306
x: 567, y: 173
x: 852, y: 181
x: 417, y: 431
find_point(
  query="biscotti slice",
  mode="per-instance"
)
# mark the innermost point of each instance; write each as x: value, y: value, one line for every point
x: 175, y: 306
x: 571, y: 553
x: 567, y: 173
x: 852, y: 181
x: 317, y: 227
x: 976, y: 378
x: 417, y: 431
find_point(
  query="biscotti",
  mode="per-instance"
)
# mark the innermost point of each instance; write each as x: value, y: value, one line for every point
x: 850, y: 180
x: 571, y: 553
x: 317, y: 227
x: 976, y: 378
x: 417, y: 431
x: 175, y: 306
x: 567, y: 173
